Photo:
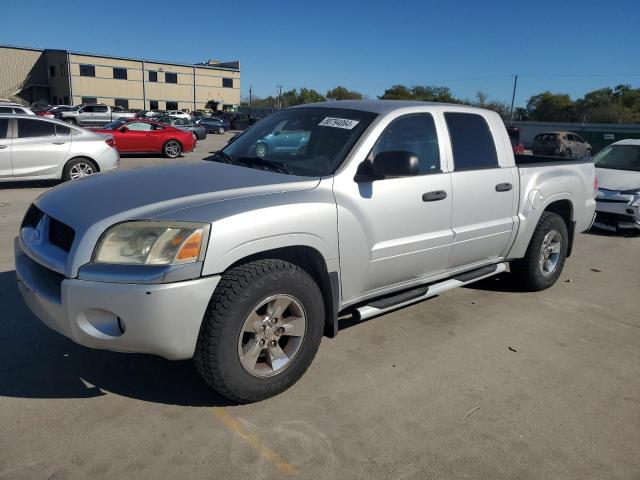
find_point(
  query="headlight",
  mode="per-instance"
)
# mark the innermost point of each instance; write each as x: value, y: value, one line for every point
x: 153, y: 243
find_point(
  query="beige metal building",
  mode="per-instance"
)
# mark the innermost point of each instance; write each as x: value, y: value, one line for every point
x: 63, y: 77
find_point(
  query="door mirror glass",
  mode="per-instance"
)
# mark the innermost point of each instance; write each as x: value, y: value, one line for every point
x: 124, y: 129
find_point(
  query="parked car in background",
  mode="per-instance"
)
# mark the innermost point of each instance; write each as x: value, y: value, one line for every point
x: 561, y: 144
x: 150, y: 113
x: 618, y: 200
x: 213, y: 124
x: 146, y: 136
x: 514, y: 137
x: 33, y: 147
x: 243, y: 263
x: 15, y: 108
x: 94, y: 115
x: 57, y: 110
x: 178, y: 114
x: 286, y: 138
x: 188, y: 125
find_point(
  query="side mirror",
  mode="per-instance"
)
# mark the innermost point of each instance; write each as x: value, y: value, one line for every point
x: 395, y: 164
x: 124, y: 129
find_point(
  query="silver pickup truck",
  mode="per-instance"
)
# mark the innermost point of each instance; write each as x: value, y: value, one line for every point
x: 243, y: 262
x: 95, y: 115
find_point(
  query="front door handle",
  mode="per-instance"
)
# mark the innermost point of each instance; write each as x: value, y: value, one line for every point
x: 503, y: 187
x: 2, y: 146
x: 58, y: 142
x: 434, y: 196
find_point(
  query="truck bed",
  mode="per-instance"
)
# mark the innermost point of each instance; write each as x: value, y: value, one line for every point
x: 544, y: 160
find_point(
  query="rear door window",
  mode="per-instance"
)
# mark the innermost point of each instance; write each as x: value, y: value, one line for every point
x: 6, y: 110
x: 62, y: 130
x: 471, y: 141
x: 35, y: 128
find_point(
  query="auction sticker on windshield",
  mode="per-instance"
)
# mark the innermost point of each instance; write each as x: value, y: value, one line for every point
x: 339, y: 123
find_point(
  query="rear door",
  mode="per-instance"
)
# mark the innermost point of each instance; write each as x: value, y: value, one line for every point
x: 483, y: 189
x: 36, y: 149
x: 5, y: 148
x: 102, y: 115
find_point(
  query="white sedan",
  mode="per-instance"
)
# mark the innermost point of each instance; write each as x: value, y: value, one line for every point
x: 39, y: 148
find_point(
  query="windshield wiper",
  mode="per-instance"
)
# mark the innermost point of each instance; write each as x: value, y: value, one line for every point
x: 261, y: 162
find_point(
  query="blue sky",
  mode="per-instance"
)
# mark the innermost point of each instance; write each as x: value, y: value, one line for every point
x: 467, y: 45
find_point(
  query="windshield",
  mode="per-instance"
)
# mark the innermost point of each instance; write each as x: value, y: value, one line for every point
x: 619, y: 157
x: 304, y: 141
x: 116, y: 124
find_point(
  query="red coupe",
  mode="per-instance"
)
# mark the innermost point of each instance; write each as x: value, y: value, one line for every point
x: 135, y: 135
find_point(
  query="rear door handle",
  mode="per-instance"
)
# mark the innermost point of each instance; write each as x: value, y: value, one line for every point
x: 59, y: 142
x: 503, y: 187
x: 2, y: 146
x: 434, y: 196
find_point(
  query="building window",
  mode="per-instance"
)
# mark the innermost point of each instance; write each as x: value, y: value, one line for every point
x: 87, y: 71
x: 55, y: 100
x: 172, y: 105
x: 153, y: 104
x: 153, y: 76
x: 171, y: 77
x: 122, y: 102
x: 52, y: 70
x: 227, y: 82
x: 89, y: 100
x: 120, y: 73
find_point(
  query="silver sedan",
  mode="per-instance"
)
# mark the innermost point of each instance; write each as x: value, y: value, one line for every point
x: 40, y: 148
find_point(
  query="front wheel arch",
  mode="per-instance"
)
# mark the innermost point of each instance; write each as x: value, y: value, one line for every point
x: 93, y: 163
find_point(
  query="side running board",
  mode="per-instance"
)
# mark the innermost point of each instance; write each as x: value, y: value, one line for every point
x: 407, y: 297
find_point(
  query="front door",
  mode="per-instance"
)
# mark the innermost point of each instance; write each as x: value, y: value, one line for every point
x: 396, y: 230
x: 135, y: 137
x: 37, y: 149
x: 484, y: 199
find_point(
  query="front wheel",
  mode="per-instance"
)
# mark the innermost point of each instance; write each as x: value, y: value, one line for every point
x: 172, y: 149
x: 546, y: 254
x: 221, y: 130
x: 261, y: 330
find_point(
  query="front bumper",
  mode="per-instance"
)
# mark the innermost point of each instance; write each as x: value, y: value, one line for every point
x: 617, y: 215
x: 161, y: 319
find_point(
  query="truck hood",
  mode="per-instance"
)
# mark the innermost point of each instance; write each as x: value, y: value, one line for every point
x: 618, y: 179
x: 107, y: 198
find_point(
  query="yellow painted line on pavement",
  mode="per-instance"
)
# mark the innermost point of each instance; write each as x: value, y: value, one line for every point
x: 265, y: 452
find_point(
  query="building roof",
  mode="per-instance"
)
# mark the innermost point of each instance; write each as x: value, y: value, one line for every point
x: 222, y: 66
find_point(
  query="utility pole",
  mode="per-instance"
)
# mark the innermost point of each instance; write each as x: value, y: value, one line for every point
x: 250, y: 88
x: 279, y: 87
x: 513, y: 97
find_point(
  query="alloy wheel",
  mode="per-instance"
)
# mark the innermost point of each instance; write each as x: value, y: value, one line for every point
x: 272, y: 335
x: 550, y: 252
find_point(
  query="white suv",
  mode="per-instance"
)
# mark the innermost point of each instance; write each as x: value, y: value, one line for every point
x: 7, y: 107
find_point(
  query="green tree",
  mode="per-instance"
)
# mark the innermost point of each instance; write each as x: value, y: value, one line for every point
x: 342, y: 93
x: 397, y: 92
x: 551, y: 107
x: 427, y: 93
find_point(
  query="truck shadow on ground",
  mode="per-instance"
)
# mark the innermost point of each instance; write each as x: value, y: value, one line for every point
x: 36, y: 362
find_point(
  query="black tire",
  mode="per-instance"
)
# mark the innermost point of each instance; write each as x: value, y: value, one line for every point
x: 587, y: 154
x: 72, y: 121
x: 528, y: 270
x: 567, y: 153
x: 239, y: 291
x: 76, y: 165
x: 172, y: 149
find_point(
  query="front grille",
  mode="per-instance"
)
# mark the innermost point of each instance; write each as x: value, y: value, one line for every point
x: 32, y: 217
x: 60, y: 235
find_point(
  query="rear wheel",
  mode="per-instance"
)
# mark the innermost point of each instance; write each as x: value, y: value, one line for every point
x: 221, y: 130
x: 261, y: 330
x: 72, y: 121
x: 261, y: 150
x: 172, y: 149
x: 546, y: 254
x: 567, y: 153
x: 78, y: 168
